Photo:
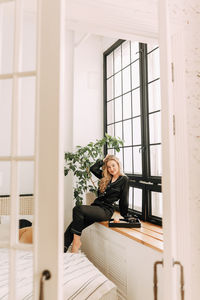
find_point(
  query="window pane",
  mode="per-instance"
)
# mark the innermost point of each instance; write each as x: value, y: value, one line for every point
x: 136, y: 102
x: 151, y: 47
x: 128, y: 160
x: 118, y: 109
x: 126, y: 80
x: 134, y: 51
x: 138, y: 199
x: 118, y: 84
x: 155, y: 127
x: 5, y: 116
x: 125, y: 113
x: 27, y: 116
x: 109, y: 65
x: 117, y: 60
x: 156, y: 204
x: 118, y: 130
x: 110, y: 89
x: 127, y: 106
x: 5, y: 178
x: 125, y: 54
x: 154, y: 96
x: 119, y: 155
x: 135, y: 74
x: 137, y: 159
x: 110, y: 129
x: 28, y: 37
x: 26, y: 177
x: 6, y: 37
x: 26, y: 186
x: 153, y: 65
x: 155, y: 159
x: 110, y: 112
x: 130, y: 201
x: 127, y: 133
x: 137, y: 131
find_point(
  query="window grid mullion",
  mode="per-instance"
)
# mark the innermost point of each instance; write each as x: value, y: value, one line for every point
x: 145, y: 122
x: 124, y: 120
x: 123, y: 94
x: 142, y: 110
x: 143, y: 127
x: 122, y: 106
x: 105, y: 99
x: 14, y: 202
x: 133, y: 198
x: 114, y: 92
x: 131, y: 111
x: 123, y: 68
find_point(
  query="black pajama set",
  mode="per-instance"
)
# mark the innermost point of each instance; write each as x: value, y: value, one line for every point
x: 102, y: 208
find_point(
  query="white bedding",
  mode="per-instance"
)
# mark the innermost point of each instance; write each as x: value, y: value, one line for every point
x: 82, y: 280
x: 4, y: 233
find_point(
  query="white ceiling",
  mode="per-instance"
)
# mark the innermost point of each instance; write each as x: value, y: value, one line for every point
x: 128, y: 19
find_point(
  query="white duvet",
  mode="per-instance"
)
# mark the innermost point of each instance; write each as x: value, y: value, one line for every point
x: 82, y: 280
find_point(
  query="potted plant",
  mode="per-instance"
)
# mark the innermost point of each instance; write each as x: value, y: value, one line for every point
x: 80, y: 161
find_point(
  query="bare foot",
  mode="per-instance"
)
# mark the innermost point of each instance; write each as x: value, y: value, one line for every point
x: 76, y: 246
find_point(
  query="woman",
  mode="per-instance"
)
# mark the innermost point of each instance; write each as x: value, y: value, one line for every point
x: 113, y: 186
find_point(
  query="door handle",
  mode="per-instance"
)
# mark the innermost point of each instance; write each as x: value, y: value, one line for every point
x: 181, y: 278
x: 155, y: 278
x: 46, y: 275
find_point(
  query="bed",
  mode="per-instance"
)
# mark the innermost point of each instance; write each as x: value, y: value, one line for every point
x: 82, y: 280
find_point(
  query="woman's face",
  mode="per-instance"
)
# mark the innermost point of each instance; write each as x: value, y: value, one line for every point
x: 113, y: 167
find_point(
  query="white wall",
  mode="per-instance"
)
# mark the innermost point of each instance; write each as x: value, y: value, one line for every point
x: 84, y: 99
x: 84, y: 96
x: 88, y: 90
x: 107, y: 42
x: 68, y: 119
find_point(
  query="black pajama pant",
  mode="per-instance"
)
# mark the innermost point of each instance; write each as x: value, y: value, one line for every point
x: 84, y: 216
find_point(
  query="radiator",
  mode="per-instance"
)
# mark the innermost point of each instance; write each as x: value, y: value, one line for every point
x: 25, y: 205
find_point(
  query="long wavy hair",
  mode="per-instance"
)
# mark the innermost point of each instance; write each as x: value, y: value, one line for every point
x: 106, y: 175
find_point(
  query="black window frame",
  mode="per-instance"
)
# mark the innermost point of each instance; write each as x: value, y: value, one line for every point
x: 146, y: 182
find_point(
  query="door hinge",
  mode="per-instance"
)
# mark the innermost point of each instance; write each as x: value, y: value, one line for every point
x: 174, y: 125
x: 172, y: 70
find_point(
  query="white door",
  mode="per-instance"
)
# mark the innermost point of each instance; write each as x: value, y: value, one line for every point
x: 168, y: 155
x: 31, y: 155
x: 48, y: 234
x: 179, y: 73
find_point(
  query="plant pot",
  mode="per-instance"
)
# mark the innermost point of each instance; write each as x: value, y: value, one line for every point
x: 90, y: 197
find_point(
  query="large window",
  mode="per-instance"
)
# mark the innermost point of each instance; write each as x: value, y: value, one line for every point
x: 132, y: 111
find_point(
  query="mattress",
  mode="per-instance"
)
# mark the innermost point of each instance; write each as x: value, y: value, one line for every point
x: 82, y: 280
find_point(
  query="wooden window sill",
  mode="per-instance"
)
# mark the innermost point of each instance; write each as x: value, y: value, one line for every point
x: 149, y: 234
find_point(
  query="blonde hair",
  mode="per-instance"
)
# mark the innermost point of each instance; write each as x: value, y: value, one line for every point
x: 106, y: 175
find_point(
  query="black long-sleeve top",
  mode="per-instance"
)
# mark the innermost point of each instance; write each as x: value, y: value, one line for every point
x: 117, y: 190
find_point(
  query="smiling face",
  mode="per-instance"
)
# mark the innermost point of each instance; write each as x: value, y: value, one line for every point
x: 113, y: 167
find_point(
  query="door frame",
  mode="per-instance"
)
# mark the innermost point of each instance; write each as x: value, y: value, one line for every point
x: 172, y: 167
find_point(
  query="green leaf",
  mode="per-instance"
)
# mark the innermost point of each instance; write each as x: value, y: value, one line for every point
x: 66, y: 171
